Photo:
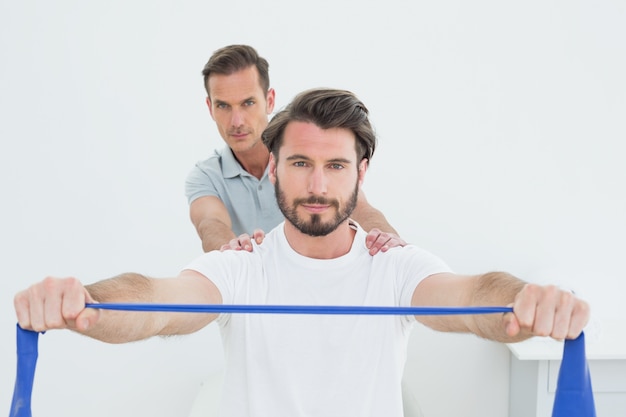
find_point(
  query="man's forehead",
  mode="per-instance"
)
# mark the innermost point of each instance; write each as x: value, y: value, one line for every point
x: 236, y: 87
x: 307, y: 138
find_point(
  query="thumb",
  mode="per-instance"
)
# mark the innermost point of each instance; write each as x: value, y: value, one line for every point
x: 87, y: 319
x: 511, y: 324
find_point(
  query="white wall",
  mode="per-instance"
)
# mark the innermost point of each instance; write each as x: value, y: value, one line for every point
x: 500, y: 129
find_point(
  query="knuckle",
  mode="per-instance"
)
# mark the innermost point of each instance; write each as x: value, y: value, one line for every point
x: 582, y: 311
x: 567, y: 299
x: 531, y: 289
x: 583, y: 307
x: 73, y: 283
x: 19, y: 300
x: 49, y: 283
x: 551, y: 291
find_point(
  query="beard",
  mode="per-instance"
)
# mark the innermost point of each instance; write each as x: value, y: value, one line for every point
x: 313, y: 226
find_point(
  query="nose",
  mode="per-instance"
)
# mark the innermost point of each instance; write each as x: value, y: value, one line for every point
x: 236, y: 117
x: 317, y: 181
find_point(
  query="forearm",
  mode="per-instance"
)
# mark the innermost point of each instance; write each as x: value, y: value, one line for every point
x: 494, y: 289
x: 369, y: 217
x: 128, y: 287
x: 123, y: 326
x: 214, y: 234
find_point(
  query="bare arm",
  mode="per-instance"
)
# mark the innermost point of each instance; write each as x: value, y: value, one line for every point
x: 381, y: 236
x: 369, y: 217
x: 58, y: 303
x: 538, y: 310
x: 212, y: 221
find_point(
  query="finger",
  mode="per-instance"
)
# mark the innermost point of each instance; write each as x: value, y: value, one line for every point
x: 381, y: 244
x: 390, y: 243
x: 394, y: 240
x: 525, y: 306
x: 52, y: 311
x: 384, y: 241
x: 245, y: 242
x: 22, y: 310
x: 36, y: 316
x: 401, y: 242
x: 563, y: 317
x: 74, y: 298
x: 548, y: 303
x: 233, y: 244
x: 580, y: 318
x: 371, y: 238
x: 259, y: 236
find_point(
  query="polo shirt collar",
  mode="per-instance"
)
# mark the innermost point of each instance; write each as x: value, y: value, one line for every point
x: 231, y: 168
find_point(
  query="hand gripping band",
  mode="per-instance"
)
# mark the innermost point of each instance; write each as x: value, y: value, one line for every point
x: 573, y: 397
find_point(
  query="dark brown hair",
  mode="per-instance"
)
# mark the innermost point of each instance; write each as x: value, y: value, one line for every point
x: 233, y: 58
x: 326, y: 108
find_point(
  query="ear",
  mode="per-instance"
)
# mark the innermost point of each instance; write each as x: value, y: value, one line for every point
x: 363, y: 165
x: 270, y: 98
x: 208, y: 103
x: 271, y: 173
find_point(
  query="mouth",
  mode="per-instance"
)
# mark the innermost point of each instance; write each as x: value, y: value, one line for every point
x: 239, y: 135
x: 316, y: 208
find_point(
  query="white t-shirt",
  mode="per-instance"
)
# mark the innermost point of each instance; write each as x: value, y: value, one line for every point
x: 315, y: 365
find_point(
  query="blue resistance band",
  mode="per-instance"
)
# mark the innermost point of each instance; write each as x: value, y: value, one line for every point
x: 573, y: 397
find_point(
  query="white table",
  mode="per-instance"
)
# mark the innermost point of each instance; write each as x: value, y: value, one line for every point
x: 535, y: 368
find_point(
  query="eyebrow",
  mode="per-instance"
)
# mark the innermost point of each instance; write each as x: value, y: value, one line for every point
x: 306, y: 158
x: 218, y: 101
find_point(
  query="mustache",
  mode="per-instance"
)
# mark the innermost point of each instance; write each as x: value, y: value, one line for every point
x: 316, y: 200
x: 238, y: 131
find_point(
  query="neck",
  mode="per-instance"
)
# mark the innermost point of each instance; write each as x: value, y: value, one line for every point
x: 254, y: 160
x: 333, y: 245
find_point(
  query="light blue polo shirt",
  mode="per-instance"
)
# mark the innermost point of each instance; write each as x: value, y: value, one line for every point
x: 251, y: 202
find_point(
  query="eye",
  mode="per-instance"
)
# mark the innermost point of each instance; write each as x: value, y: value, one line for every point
x: 300, y: 164
x: 248, y: 103
x: 336, y: 166
x: 221, y: 105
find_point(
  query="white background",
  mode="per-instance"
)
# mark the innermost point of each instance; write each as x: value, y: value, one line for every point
x: 501, y: 128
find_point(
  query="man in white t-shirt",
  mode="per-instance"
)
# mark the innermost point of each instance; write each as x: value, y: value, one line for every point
x: 310, y: 365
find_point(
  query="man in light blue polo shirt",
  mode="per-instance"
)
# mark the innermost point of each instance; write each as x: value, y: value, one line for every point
x: 250, y: 201
x: 230, y: 196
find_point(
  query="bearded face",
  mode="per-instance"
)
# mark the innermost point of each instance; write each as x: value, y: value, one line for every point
x: 312, y: 224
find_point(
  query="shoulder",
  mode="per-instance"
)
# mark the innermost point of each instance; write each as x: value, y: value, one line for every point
x: 213, y: 162
x: 218, y: 263
x: 219, y: 166
x: 416, y: 259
